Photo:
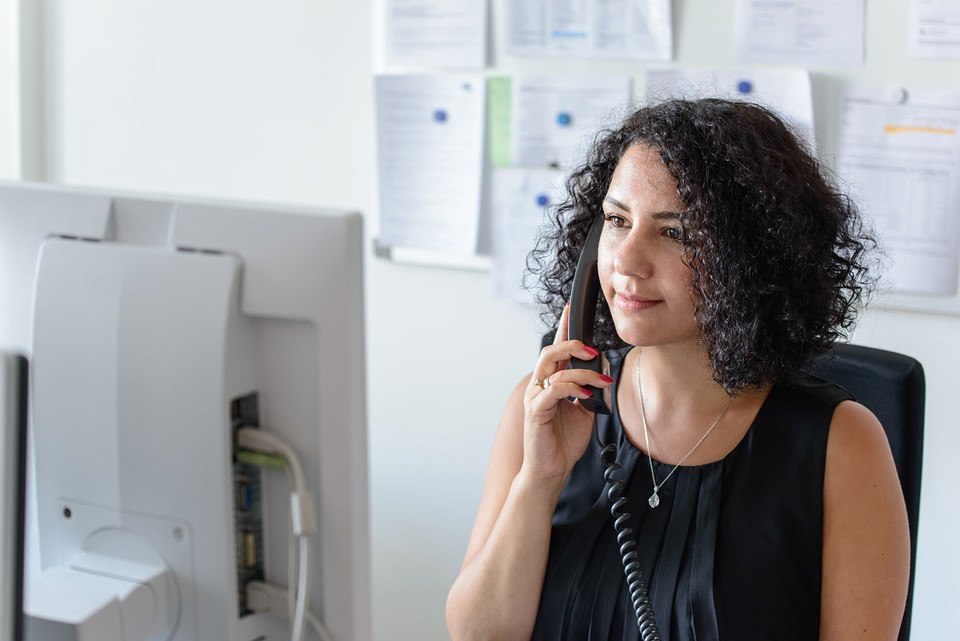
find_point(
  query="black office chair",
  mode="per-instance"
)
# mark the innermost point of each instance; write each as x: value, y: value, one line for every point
x: 893, y: 387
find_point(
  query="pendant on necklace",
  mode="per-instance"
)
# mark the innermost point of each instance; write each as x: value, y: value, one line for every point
x: 654, y: 499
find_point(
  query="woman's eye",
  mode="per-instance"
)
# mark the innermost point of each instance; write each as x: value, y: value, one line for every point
x: 614, y: 220
x: 673, y: 233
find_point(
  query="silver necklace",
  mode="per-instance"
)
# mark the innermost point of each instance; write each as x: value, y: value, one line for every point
x: 654, y: 499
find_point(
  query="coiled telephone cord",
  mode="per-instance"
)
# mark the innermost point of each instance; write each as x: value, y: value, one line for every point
x: 636, y: 584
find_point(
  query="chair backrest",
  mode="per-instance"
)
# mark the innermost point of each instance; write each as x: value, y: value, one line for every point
x: 893, y: 387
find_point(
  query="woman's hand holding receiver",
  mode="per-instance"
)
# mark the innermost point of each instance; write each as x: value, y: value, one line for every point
x: 556, y: 431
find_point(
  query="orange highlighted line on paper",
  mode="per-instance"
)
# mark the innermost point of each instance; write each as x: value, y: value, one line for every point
x: 899, y: 129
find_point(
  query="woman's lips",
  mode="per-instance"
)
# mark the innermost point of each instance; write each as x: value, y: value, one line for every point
x: 634, y: 303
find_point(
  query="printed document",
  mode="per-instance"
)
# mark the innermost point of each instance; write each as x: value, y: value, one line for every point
x: 553, y: 120
x: 628, y: 29
x: 520, y: 200
x: 935, y: 29
x: 447, y: 35
x: 430, y: 131
x: 800, y: 32
x: 901, y: 154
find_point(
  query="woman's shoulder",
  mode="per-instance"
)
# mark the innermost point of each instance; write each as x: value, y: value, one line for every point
x: 857, y: 438
x: 811, y: 392
x: 834, y: 410
x: 796, y: 417
x: 816, y: 385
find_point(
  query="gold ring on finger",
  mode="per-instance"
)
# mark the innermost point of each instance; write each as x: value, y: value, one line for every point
x: 539, y: 383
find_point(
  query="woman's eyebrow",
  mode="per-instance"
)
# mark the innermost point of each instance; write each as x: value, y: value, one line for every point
x: 660, y: 215
x: 666, y: 215
x: 616, y: 203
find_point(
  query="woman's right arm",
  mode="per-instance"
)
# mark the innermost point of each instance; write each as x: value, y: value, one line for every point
x: 540, y: 437
x: 497, y: 592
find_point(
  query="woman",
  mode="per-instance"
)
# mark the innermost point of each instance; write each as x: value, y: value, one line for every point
x: 764, y: 502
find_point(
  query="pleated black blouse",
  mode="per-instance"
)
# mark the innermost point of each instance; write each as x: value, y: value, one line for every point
x: 733, y: 550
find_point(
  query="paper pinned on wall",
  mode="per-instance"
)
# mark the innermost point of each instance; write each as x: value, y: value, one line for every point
x: 901, y: 153
x: 430, y: 160
x: 935, y: 29
x: 448, y: 35
x: 802, y: 32
x: 520, y: 198
x: 498, y: 120
x: 553, y: 119
x: 638, y: 29
x: 786, y: 91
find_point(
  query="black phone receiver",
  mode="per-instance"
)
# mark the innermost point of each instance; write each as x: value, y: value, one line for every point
x: 580, y: 322
x: 580, y: 325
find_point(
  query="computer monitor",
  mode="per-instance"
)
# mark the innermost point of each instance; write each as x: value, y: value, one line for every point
x: 13, y: 431
x: 157, y: 327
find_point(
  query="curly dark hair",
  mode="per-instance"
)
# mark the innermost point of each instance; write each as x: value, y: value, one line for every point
x: 777, y: 251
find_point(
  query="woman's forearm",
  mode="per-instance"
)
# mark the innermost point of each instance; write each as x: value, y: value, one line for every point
x: 497, y: 594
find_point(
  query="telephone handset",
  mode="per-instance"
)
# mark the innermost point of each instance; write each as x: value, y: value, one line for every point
x: 583, y: 304
x: 580, y: 322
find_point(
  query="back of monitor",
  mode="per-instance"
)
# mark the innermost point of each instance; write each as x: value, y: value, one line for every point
x: 156, y: 326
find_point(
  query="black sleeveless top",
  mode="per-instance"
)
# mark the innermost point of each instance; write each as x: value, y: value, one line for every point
x: 732, y: 552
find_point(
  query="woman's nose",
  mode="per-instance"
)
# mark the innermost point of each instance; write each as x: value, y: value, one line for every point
x: 633, y: 257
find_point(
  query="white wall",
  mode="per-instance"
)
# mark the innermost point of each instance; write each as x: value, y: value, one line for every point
x: 273, y: 101
x: 9, y: 91
x: 21, y: 121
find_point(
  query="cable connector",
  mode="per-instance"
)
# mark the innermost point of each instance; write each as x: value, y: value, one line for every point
x: 264, y: 442
x: 302, y: 514
x: 257, y: 440
x: 267, y: 598
x: 259, y: 459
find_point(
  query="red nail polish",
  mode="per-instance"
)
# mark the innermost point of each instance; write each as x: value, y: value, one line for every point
x: 606, y: 379
x: 586, y: 391
x: 590, y: 350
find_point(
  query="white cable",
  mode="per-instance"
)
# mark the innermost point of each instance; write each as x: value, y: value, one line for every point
x: 268, y: 598
x: 303, y: 579
x: 303, y: 518
x: 294, y: 564
x: 291, y: 554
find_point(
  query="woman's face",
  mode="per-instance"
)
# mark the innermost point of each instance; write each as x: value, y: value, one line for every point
x: 642, y: 272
